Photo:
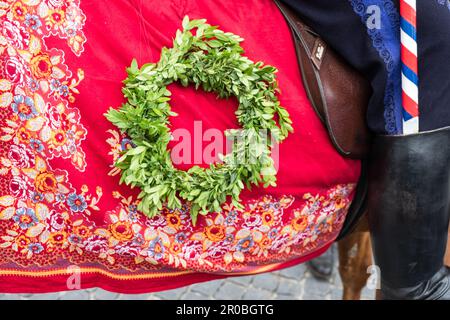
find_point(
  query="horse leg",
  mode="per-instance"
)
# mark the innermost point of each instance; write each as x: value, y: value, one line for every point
x: 355, y: 256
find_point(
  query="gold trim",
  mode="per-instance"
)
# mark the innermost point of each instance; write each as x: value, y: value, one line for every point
x: 116, y: 276
x: 257, y: 270
x: 90, y: 270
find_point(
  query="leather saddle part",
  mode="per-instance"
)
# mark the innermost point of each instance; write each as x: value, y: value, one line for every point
x: 337, y: 92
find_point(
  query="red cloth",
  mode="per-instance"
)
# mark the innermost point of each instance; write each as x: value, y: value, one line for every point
x: 61, y: 205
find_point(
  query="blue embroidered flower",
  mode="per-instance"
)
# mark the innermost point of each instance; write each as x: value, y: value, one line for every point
x: 37, y: 197
x: 126, y: 144
x: 245, y: 244
x: 156, y: 249
x: 26, y: 218
x: 229, y: 238
x: 231, y: 217
x: 64, y: 90
x: 24, y: 107
x: 33, y: 85
x: 71, y: 29
x: 74, y: 239
x: 55, y: 84
x: 133, y: 215
x: 180, y: 237
x: 32, y: 21
x: 232, y: 213
x: 35, y: 247
x: 272, y: 233
x: 132, y: 208
x: 76, y: 202
x: 229, y: 220
x: 139, y: 239
x: 36, y: 145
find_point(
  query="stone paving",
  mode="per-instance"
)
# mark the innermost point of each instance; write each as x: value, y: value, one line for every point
x: 295, y: 283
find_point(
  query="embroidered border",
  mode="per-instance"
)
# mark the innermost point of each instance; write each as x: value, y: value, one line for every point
x: 389, y: 52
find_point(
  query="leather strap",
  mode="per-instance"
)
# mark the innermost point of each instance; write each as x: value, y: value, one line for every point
x: 337, y: 92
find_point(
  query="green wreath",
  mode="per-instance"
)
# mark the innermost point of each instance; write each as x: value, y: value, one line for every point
x: 211, y: 59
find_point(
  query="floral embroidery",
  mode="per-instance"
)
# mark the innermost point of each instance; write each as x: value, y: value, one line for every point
x: 25, y: 217
x: 44, y: 219
x: 36, y: 84
x: 24, y: 107
x: 77, y: 203
x: 53, y: 221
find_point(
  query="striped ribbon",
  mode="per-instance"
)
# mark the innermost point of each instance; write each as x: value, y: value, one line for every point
x: 410, y: 78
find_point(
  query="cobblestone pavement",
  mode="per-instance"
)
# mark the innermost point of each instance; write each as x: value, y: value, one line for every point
x: 295, y: 283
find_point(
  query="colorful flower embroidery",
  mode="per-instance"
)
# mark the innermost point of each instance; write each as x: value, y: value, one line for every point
x: 36, y: 83
x: 24, y: 107
x: 32, y: 21
x: 41, y: 211
x: 44, y: 219
x: 77, y: 203
x: 35, y: 248
x: 25, y: 218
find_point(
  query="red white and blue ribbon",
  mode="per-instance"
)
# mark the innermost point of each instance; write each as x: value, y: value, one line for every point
x: 410, y: 77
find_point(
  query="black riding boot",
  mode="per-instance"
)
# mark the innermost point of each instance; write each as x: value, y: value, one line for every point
x: 409, y: 213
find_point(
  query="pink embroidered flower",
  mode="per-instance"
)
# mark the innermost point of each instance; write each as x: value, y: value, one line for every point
x: 15, y: 34
x: 158, y: 221
x: 96, y: 244
x: 57, y: 221
x: 218, y: 251
x: 279, y: 242
x: 127, y: 250
x: 74, y: 16
x: 20, y: 156
x: 18, y: 187
x: 192, y: 251
x: 12, y: 69
x: 56, y: 3
x: 252, y: 221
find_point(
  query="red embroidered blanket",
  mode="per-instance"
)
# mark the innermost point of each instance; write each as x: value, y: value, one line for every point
x: 62, y: 210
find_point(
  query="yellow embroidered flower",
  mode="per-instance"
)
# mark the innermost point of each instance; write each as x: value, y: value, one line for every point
x: 215, y: 232
x: 19, y: 10
x: 58, y: 138
x: 23, y: 135
x: 268, y: 217
x: 265, y: 242
x: 22, y: 241
x: 176, y: 247
x: 299, y: 223
x: 122, y: 231
x: 41, y: 66
x: 57, y: 238
x: 82, y: 231
x: 56, y: 17
x: 173, y: 220
x: 45, y: 182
